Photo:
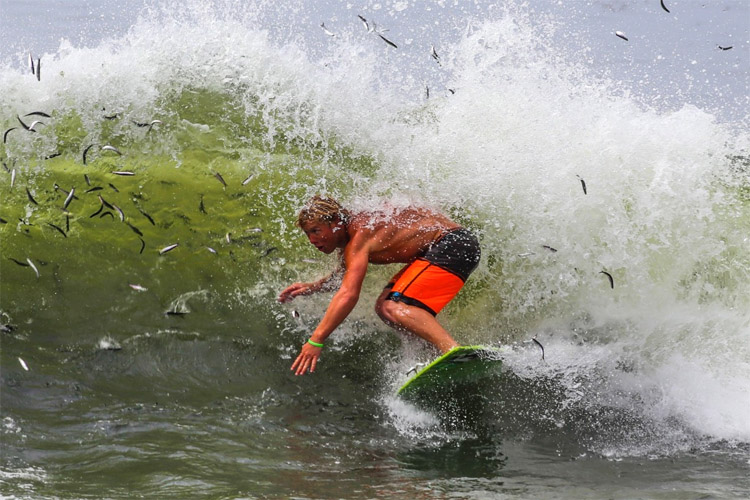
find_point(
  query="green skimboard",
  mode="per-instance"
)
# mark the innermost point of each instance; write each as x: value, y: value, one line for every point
x: 452, y: 375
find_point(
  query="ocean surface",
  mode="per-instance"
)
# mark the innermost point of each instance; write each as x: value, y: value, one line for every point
x: 133, y: 371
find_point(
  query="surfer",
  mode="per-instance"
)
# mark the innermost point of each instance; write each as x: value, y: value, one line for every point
x: 438, y: 253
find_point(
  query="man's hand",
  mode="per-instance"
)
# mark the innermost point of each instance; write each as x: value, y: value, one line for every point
x: 306, y: 360
x: 295, y: 289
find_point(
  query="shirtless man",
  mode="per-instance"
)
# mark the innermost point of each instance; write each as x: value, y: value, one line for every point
x: 438, y: 253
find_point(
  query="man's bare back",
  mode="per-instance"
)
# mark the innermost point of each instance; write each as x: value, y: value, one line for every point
x: 400, y: 236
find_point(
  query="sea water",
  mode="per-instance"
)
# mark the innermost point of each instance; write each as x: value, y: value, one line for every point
x: 608, y: 181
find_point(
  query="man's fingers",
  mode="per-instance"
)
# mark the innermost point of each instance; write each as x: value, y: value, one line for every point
x: 303, y: 367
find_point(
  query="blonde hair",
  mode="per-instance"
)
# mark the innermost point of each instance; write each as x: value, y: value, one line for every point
x: 320, y: 209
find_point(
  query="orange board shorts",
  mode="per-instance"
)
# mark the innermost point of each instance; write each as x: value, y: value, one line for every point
x: 433, y: 279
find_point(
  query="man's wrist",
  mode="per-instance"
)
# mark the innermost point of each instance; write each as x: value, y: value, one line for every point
x: 313, y: 343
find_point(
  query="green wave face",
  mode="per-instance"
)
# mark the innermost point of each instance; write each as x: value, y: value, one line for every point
x: 209, y: 176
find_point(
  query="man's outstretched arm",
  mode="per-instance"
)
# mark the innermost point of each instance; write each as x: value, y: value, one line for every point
x: 356, y: 258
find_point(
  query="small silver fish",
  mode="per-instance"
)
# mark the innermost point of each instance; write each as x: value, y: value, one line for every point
x: 435, y: 55
x: 12, y: 177
x: 212, y: 250
x: 58, y: 228
x: 69, y: 198
x: 664, y: 6
x: 137, y: 288
x: 621, y: 35
x: 151, y: 125
x: 26, y: 127
x: 85, y: 151
x: 31, y: 198
x: 250, y: 177
x: 583, y: 184
x: 365, y: 23
x: 326, y: 31
x: 388, y: 41
x: 33, y: 266
x: 5, y: 135
x: 23, y: 364
x: 220, y: 178
x: 123, y: 173
x: 111, y: 148
x: 168, y: 248
x: 609, y: 277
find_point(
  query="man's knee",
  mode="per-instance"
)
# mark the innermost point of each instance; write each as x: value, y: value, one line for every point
x: 387, y: 310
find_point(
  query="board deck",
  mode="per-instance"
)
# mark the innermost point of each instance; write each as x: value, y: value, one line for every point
x: 459, y: 367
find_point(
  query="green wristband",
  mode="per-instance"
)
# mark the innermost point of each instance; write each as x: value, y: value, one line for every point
x: 316, y: 344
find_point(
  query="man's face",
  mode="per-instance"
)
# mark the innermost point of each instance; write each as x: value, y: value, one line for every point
x: 323, y: 236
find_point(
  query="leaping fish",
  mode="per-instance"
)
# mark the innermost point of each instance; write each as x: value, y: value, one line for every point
x: 85, y: 151
x: 609, y: 277
x: 168, y: 248
x: 151, y: 125
x: 220, y: 178
x: 34, y: 124
x: 388, y: 41
x: 434, y: 55
x: 31, y: 198
x: 326, y: 31
x: 111, y: 148
x: 621, y: 35
x: 150, y: 219
x: 664, y: 6
x: 104, y: 202
x: 5, y: 135
x: 69, y: 198
x: 23, y: 364
x: 120, y: 212
x: 539, y: 344
x: 364, y: 22
x: 30, y: 128
x: 33, y: 266
x: 31, y: 64
x: 58, y: 228
x: 135, y: 229
x: 583, y: 184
